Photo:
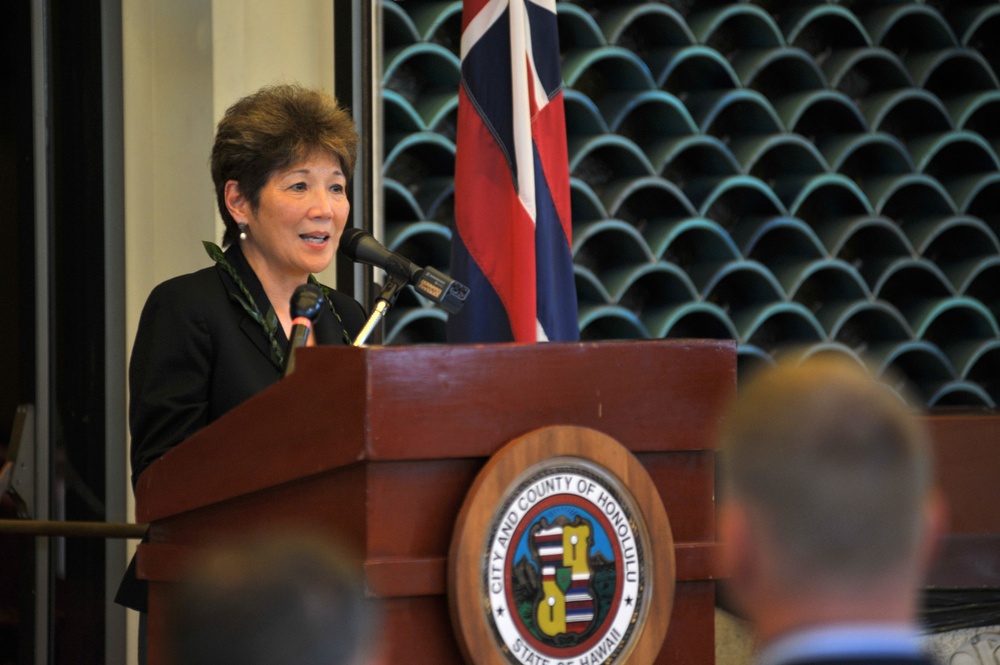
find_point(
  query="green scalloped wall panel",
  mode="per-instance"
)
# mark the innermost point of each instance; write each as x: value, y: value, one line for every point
x: 785, y: 174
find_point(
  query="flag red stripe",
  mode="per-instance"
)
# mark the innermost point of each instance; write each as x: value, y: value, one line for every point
x: 548, y: 128
x: 493, y: 223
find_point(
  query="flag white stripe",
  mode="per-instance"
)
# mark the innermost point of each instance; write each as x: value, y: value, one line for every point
x: 540, y: 332
x: 521, y: 113
x: 541, y: 97
x: 480, y: 24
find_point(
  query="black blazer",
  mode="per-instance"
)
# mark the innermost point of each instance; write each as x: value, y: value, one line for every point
x: 198, y: 353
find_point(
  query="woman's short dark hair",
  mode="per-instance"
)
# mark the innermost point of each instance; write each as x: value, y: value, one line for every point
x: 272, y: 129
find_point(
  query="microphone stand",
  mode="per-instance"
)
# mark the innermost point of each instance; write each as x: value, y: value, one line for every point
x: 386, y: 299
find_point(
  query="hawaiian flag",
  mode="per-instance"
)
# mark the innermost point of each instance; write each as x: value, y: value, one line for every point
x: 511, y: 244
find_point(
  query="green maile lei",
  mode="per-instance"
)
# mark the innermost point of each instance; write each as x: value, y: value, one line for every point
x: 268, y: 321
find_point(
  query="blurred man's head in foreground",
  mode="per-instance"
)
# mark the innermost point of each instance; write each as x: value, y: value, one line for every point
x: 283, y: 599
x: 827, y: 486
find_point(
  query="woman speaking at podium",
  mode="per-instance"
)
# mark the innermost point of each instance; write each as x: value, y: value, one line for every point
x: 207, y: 341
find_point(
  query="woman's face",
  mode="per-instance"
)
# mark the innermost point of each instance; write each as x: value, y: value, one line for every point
x: 301, y: 213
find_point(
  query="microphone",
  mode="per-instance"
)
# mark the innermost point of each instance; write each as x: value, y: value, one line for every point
x: 307, y: 300
x: 362, y: 247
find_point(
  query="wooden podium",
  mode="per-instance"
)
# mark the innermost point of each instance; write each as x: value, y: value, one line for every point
x: 379, y: 446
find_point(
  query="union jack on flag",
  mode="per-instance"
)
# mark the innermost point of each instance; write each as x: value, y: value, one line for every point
x: 511, y: 244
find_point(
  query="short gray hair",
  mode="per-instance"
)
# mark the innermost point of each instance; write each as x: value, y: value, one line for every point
x: 832, y: 466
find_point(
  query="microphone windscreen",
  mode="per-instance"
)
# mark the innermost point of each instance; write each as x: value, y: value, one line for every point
x: 349, y: 240
x: 306, y: 301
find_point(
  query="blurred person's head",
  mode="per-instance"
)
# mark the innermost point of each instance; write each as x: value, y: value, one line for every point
x: 280, y: 600
x: 827, y: 490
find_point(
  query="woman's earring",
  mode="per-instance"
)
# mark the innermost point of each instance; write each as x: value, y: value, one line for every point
x: 243, y: 230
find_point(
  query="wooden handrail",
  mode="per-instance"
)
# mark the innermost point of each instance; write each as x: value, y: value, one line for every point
x: 73, y: 529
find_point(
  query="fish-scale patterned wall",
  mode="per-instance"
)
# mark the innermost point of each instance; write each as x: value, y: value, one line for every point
x: 787, y: 173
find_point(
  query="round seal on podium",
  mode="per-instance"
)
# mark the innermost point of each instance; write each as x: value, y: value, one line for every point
x: 552, y: 560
